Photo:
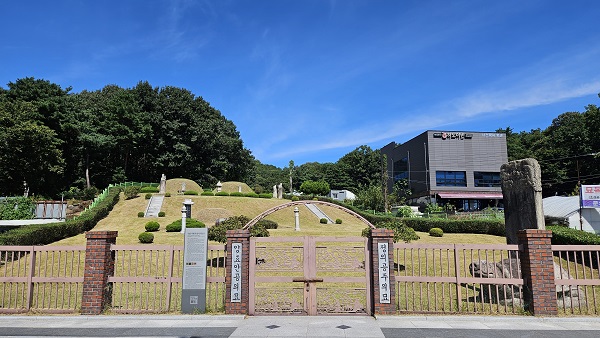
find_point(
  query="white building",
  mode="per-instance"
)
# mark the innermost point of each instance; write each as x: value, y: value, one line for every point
x: 341, y: 195
x: 567, y: 209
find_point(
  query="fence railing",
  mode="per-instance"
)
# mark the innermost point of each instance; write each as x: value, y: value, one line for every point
x: 41, y: 278
x: 457, y: 278
x: 101, y: 196
x: 147, y: 279
x: 578, y: 282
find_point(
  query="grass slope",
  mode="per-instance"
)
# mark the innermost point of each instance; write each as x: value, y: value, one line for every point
x: 123, y: 218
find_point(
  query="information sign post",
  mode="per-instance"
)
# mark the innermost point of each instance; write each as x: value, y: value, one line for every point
x: 193, y: 295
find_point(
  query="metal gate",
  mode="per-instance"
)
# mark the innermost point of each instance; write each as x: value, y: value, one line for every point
x: 309, y: 276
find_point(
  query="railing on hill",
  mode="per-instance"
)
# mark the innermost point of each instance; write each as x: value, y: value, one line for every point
x: 104, y: 192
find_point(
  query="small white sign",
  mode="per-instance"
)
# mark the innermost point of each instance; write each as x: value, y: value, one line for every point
x: 384, y: 273
x: 193, y: 300
x: 236, y: 272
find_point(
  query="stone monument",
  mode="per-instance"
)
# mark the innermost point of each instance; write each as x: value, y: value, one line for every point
x: 219, y: 186
x: 522, y: 191
x: 182, y: 191
x: 280, y: 191
x: 163, y: 184
x: 275, y: 191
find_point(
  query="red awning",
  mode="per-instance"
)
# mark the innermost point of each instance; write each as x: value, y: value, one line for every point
x: 471, y: 195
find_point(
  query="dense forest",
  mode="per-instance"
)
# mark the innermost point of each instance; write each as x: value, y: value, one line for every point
x: 568, y: 150
x: 57, y: 141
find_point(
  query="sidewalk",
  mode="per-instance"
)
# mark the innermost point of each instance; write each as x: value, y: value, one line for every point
x: 288, y: 326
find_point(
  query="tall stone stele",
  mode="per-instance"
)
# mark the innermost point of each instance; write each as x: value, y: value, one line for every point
x: 522, y: 191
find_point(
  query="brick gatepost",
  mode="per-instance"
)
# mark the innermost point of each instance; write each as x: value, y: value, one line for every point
x: 537, y: 268
x: 99, y: 265
x: 379, y: 236
x: 241, y: 305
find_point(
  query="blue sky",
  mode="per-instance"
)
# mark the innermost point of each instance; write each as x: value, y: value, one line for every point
x: 312, y: 80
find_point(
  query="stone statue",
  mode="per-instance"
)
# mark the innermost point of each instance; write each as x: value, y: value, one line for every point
x: 280, y: 191
x: 567, y: 295
x: 182, y: 191
x: 163, y: 184
x: 522, y: 191
x: 275, y: 191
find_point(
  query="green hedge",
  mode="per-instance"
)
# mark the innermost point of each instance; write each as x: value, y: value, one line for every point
x: 567, y: 236
x: 468, y: 226
x: 42, y: 234
x: 190, y: 192
x: 222, y: 193
x: 207, y: 193
x: 149, y: 190
x: 237, y: 194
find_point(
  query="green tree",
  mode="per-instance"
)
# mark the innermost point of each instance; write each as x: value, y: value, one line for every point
x: 360, y: 168
x: 370, y: 198
x: 30, y: 151
x: 320, y: 188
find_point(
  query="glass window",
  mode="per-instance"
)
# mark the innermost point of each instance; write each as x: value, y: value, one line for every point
x: 450, y: 179
x: 486, y: 179
x: 401, y: 169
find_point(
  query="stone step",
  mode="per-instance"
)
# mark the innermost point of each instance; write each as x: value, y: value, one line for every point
x: 154, y: 206
x: 318, y: 212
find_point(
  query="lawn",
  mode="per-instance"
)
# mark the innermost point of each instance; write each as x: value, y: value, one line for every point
x: 123, y: 218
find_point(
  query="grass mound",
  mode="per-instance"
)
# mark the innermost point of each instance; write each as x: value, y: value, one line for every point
x: 174, y: 185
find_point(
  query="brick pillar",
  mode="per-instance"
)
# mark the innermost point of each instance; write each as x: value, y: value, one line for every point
x: 379, y: 236
x: 99, y: 265
x: 233, y: 237
x: 537, y: 268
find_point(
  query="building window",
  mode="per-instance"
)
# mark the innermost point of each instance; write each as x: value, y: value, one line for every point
x: 486, y: 179
x: 450, y: 179
x: 401, y: 169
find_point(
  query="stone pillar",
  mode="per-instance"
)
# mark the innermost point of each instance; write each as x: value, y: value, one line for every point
x: 233, y: 237
x: 382, y: 306
x: 522, y: 193
x: 537, y: 269
x: 297, y: 219
x: 99, y: 265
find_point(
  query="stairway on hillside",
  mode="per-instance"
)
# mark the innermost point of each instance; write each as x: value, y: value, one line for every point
x: 154, y: 205
x: 318, y: 212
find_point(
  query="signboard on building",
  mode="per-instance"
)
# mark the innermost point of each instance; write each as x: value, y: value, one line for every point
x: 193, y: 295
x: 590, y: 196
x: 453, y: 135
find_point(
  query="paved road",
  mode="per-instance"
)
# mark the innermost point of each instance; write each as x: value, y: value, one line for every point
x: 286, y: 326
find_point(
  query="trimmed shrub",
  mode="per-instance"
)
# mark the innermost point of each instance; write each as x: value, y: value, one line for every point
x: 251, y: 194
x: 295, y: 198
x: 222, y: 193
x: 338, y: 221
x: 207, y: 193
x: 167, y: 194
x: 265, y: 195
x: 237, y: 194
x: 268, y: 224
x: 568, y: 236
x: 468, y: 226
x: 149, y: 190
x: 323, y: 221
x: 152, y: 226
x: 146, y: 237
x: 41, y: 234
x: 148, y: 196
x: 141, y: 214
x: 189, y: 223
x: 436, y: 232
x: 401, y: 231
x: 173, y: 227
x: 190, y: 192
x: 131, y: 192
x: 218, y: 232
x: 161, y: 214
